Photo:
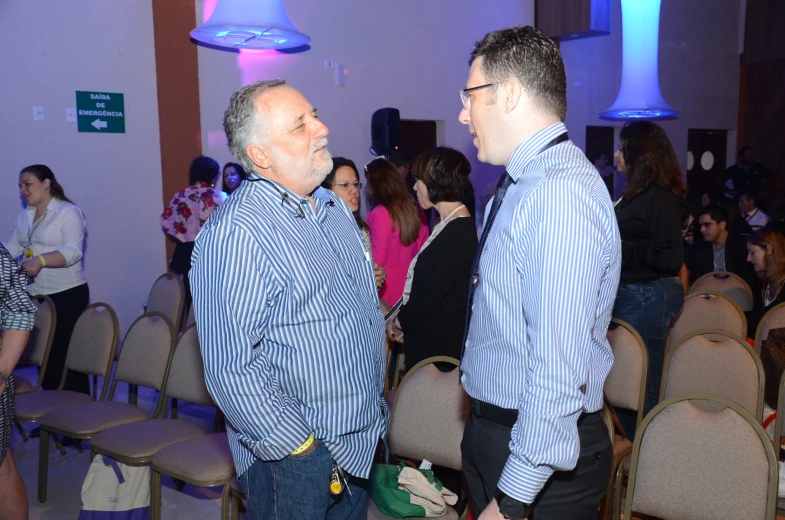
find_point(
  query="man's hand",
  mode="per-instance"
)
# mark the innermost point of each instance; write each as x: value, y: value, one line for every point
x: 32, y: 266
x: 394, y: 331
x: 380, y: 273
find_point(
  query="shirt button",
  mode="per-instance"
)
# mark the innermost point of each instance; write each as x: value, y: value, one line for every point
x: 463, y: 378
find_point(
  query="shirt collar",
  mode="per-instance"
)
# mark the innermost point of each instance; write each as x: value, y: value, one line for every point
x: 54, y: 206
x: 529, y: 149
x: 274, y: 191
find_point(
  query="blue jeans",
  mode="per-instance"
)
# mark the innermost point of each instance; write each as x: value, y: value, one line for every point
x: 297, y: 488
x: 649, y: 307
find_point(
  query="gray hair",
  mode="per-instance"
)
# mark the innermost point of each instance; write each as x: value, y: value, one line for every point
x: 241, y: 122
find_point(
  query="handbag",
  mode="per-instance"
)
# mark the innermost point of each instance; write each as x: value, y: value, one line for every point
x: 772, y: 356
x: 115, y: 491
x: 402, y: 492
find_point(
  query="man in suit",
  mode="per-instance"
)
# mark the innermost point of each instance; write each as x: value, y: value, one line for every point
x: 721, y: 249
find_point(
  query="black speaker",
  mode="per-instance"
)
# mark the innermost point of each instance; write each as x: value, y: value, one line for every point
x: 385, y: 131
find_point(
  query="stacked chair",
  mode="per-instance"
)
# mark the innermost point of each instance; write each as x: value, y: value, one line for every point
x: 723, y: 282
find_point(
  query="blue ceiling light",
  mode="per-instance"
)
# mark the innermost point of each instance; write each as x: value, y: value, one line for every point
x: 250, y: 24
x: 639, y: 95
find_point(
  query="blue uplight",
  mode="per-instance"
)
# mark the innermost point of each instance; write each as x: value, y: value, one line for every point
x: 639, y: 95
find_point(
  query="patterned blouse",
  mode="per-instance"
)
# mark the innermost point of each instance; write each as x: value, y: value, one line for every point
x: 17, y: 312
x: 188, y: 211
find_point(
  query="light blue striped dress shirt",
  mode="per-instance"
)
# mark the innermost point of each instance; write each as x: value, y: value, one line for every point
x: 548, y: 278
x: 290, y: 328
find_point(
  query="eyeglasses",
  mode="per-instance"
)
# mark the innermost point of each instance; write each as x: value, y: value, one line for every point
x: 466, y: 99
x: 347, y: 185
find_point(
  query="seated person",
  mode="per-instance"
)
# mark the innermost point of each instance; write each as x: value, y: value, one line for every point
x: 766, y: 252
x: 720, y: 250
x: 751, y: 213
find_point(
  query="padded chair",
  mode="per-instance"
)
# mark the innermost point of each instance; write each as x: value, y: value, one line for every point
x: 693, y: 464
x: 39, y: 345
x: 135, y: 443
x: 723, y: 282
x: 778, y: 435
x: 167, y: 296
x: 707, y: 311
x: 91, y: 351
x: 715, y: 362
x: 204, y: 461
x: 145, y: 361
x: 625, y: 387
x: 428, y: 419
x: 774, y: 319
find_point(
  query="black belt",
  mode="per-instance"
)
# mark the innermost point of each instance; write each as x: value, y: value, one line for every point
x: 506, y: 416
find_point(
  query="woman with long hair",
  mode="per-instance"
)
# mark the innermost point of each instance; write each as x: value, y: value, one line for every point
x: 233, y: 175
x: 49, y: 239
x: 766, y: 253
x: 396, y: 223
x: 344, y: 181
x: 650, y: 214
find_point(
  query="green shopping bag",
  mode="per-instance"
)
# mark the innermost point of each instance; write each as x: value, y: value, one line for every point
x: 388, y: 498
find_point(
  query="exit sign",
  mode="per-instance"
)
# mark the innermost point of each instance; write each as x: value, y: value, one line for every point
x: 102, y: 112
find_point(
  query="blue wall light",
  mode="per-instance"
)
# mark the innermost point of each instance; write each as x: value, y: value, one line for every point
x: 639, y: 95
x: 250, y: 24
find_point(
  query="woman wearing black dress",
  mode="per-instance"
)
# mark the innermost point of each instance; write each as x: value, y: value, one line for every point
x: 432, y: 316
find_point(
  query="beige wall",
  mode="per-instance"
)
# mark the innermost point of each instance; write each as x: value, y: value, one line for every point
x: 50, y: 49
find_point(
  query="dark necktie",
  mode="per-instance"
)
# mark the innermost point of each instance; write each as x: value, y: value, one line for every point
x: 501, y: 190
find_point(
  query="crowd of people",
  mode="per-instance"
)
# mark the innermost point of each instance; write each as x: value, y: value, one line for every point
x: 293, y: 333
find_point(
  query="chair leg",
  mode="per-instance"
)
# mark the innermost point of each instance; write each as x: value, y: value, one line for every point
x: 95, y: 387
x: 174, y: 408
x: 155, y: 495
x: 178, y: 484
x: 21, y: 431
x: 58, y: 444
x: 133, y: 394
x: 226, y: 500
x: 79, y: 448
x: 43, y: 464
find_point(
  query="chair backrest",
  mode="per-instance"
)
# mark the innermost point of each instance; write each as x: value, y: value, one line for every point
x: 146, y: 354
x: 40, y: 342
x: 625, y: 386
x: 691, y: 464
x: 186, y: 375
x: 724, y: 282
x: 167, y: 297
x: 429, y: 415
x: 780, y: 417
x: 707, y: 311
x: 191, y: 318
x: 774, y: 319
x: 714, y: 362
x: 93, y: 344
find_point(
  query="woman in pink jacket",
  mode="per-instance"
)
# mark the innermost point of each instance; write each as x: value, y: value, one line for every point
x: 397, y: 225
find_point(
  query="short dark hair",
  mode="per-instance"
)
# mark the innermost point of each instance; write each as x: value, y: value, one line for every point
x: 526, y: 54
x: 717, y: 213
x: 338, y: 162
x: 203, y: 169
x: 750, y: 197
x: 445, y: 172
x: 744, y: 149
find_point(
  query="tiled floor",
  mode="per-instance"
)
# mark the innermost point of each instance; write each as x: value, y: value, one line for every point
x: 66, y: 473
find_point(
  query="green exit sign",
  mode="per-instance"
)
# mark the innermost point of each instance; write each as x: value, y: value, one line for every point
x: 102, y: 112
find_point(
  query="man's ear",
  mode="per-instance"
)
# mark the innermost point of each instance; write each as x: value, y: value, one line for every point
x: 259, y: 155
x: 512, y: 94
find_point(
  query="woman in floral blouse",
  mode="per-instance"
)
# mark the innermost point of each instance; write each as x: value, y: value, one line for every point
x: 187, y: 212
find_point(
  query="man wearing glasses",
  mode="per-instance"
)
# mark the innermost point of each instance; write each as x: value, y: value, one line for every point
x: 543, y: 284
x: 288, y: 317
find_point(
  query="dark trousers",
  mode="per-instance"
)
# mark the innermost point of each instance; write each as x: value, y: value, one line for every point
x: 572, y: 494
x: 69, y: 305
x: 649, y: 307
x: 181, y: 264
x: 297, y: 488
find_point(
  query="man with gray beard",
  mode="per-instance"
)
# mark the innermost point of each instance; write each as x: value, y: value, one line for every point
x: 288, y: 318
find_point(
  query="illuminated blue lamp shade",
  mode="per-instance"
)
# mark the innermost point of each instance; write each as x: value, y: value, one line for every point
x: 639, y: 95
x: 250, y: 24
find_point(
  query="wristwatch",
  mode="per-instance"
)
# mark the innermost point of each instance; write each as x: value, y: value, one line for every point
x: 510, y: 508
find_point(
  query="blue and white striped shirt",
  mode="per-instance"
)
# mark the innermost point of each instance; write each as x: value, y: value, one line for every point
x: 290, y: 328
x: 547, y: 282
